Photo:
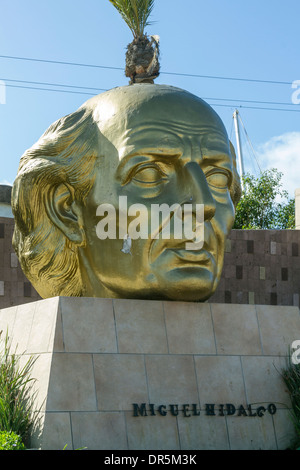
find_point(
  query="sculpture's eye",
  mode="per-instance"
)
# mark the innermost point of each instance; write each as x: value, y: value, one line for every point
x: 149, y: 175
x: 218, y: 179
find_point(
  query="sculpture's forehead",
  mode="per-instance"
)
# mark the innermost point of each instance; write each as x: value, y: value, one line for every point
x: 161, y: 113
x: 161, y: 104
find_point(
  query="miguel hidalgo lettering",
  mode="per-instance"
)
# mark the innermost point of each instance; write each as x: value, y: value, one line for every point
x: 153, y: 144
x: 210, y: 409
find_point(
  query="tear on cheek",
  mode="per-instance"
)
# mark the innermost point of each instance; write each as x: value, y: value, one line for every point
x: 126, y: 245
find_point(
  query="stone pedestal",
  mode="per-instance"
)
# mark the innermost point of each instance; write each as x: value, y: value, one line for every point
x: 197, y: 376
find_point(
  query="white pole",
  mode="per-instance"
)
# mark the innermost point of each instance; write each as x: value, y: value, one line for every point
x: 238, y: 145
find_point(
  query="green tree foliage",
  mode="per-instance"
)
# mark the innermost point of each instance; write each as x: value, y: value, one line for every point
x: 11, y: 441
x: 135, y: 13
x: 264, y: 204
x: 16, y: 393
x: 142, y: 55
x: 291, y: 378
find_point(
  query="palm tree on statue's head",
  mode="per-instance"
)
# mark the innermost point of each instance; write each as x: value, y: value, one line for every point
x: 142, y: 56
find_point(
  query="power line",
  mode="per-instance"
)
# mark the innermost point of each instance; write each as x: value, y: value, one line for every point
x: 256, y: 107
x: 249, y: 142
x: 54, y: 84
x: 60, y: 62
x: 105, y: 89
x: 212, y: 104
x: 274, y: 82
x: 250, y: 101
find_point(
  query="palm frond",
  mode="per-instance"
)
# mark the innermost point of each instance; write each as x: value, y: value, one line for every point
x: 135, y: 13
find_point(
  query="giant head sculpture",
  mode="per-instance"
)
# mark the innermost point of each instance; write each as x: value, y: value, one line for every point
x: 104, y: 167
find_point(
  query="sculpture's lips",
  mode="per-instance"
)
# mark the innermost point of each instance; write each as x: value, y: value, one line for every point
x: 194, y: 256
x: 175, y: 250
x: 207, y: 255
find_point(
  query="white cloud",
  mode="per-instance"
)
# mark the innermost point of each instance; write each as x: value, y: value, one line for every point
x: 282, y: 152
x: 8, y: 183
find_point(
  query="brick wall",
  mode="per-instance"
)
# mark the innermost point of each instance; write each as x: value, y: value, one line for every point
x: 15, y: 289
x: 260, y: 267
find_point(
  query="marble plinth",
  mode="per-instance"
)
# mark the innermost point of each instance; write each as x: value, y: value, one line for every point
x: 152, y: 375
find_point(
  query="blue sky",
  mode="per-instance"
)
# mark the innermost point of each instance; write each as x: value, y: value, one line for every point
x: 255, y: 40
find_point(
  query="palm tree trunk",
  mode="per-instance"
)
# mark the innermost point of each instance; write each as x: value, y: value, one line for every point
x: 142, y: 60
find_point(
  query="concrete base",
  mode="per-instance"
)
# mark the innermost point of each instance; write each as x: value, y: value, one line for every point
x: 182, y: 368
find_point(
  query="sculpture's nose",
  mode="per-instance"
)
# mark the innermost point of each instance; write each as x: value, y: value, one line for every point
x: 199, y: 190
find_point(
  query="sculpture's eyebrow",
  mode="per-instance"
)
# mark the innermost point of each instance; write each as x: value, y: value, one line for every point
x: 146, y: 155
x: 217, y: 159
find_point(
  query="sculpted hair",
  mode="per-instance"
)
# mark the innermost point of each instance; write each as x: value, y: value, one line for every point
x: 65, y: 154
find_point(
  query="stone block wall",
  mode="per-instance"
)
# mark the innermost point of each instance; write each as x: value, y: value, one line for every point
x: 15, y: 289
x: 260, y: 267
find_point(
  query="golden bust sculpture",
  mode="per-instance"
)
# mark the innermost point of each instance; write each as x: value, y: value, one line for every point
x: 142, y: 144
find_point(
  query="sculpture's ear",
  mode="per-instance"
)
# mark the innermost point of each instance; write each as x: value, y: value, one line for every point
x: 235, y: 189
x: 233, y: 154
x: 65, y: 212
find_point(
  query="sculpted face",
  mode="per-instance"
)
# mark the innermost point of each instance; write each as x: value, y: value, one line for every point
x: 157, y: 145
x: 152, y: 146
